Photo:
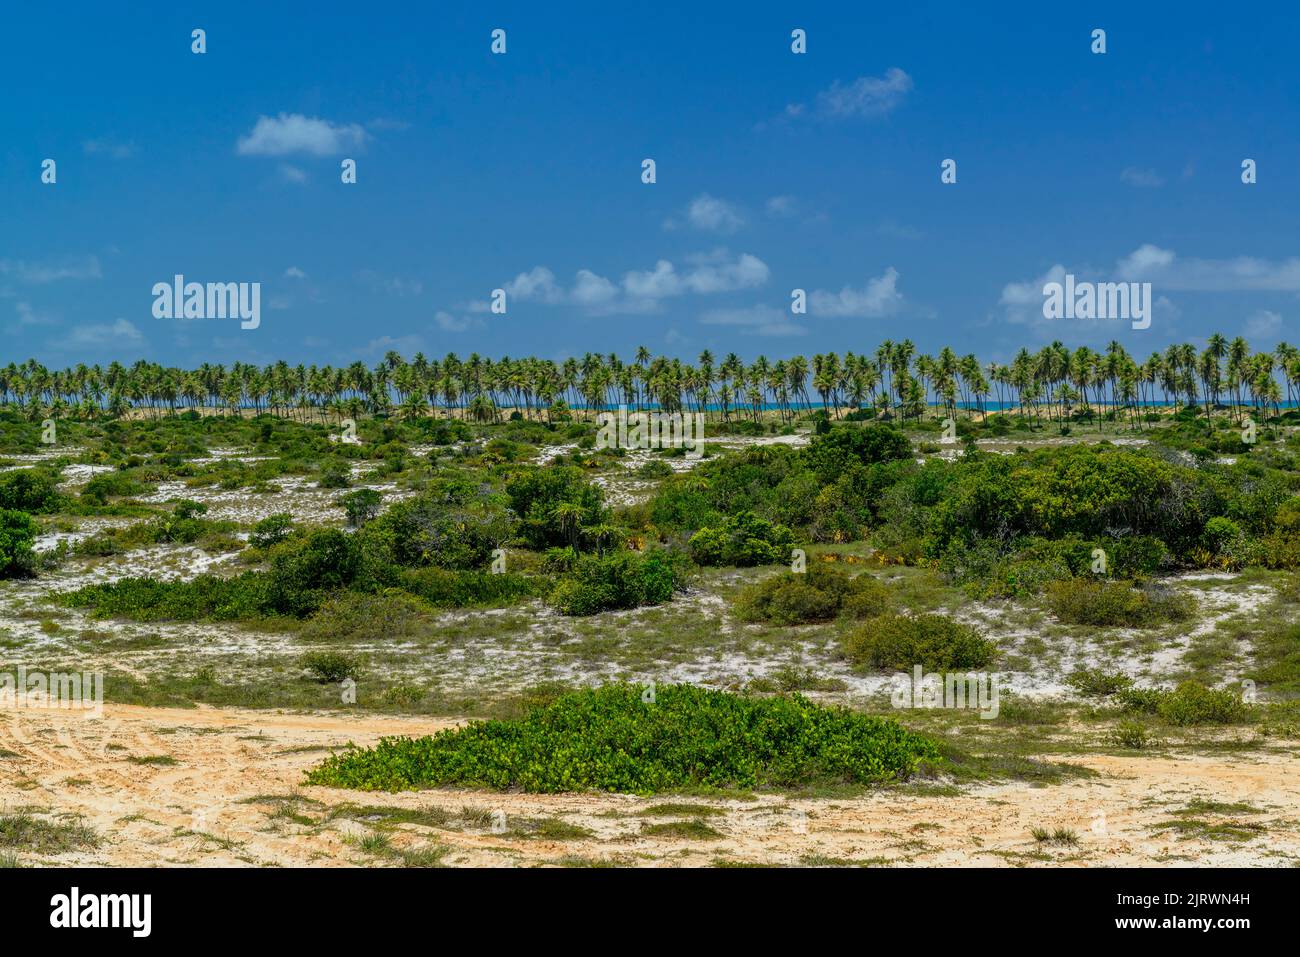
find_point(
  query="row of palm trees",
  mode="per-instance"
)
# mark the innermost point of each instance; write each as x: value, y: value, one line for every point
x: 1053, y: 384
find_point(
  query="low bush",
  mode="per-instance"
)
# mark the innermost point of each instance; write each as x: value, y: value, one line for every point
x: 110, y: 485
x: 615, y: 739
x: 1080, y: 601
x: 1098, y: 683
x: 819, y: 594
x: 361, y: 616
x: 1190, y: 703
x: 334, y: 474
x: 1130, y: 734
x: 330, y: 666
x: 147, y: 599
x: 443, y: 588
x: 1193, y: 703
x: 622, y: 579
x: 360, y: 506
x: 935, y: 642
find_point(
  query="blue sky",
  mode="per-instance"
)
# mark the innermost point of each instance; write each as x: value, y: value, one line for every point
x: 775, y: 171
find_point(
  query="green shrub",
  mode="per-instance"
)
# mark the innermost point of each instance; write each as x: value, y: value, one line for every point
x: 29, y: 490
x: 1097, y: 683
x: 17, y: 532
x: 1130, y: 734
x: 365, y: 617
x: 554, y: 504
x: 614, y: 739
x: 453, y: 524
x: 743, y: 540
x: 445, y: 588
x: 146, y: 599
x: 304, y: 570
x: 330, y: 666
x: 360, y: 506
x: 110, y: 484
x: 622, y: 579
x: 1140, y: 700
x: 845, y: 446
x: 334, y: 474
x: 271, y: 530
x: 935, y: 642
x: 1220, y: 534
x: 819, y: 594
x: 1081, y: 601
x: 1193, y: 703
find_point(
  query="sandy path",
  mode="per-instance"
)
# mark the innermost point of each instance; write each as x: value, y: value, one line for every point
x: 197, y: 810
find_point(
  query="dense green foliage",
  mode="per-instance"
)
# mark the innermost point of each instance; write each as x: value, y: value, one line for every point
x: 17, y: 532
x: 617, y: 739
x: 743, y: 540
x: 935, y: 642
x: 1079, y: 601
x: 29, y: 490
x: 453, y: 524
x: 619, y: 580
x: 819, y: 594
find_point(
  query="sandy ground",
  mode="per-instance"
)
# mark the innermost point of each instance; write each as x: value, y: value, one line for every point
x: 205, y: 808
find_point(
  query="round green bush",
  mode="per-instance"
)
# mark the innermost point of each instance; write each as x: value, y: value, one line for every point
x: 819, y: 594
x: 935, y: 642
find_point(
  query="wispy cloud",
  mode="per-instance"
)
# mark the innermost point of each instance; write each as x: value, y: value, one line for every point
x: 102, y: 334
x: 761, y: 320
x: 867, y: 97
x: 1141, y: 178
x: 114, y: 149
x: 291, y: 133
x: 40, y: 273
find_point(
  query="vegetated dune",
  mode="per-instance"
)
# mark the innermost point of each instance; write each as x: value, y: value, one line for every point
x: 221, y: 787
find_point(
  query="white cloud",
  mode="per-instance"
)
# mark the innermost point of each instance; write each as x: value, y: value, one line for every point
x: 592, y: 290
x: 103, y: 333
x: 714, y: 215
x: 1141, y: 178
x: 640, y: 290
x: 449, y: 323
x: 657, y: 283
x: 537, y: 283
x: 291, y: 133
x: 1165, y: 270
x: 867, y: 96
x: 292, y: 174
x: 879, y: 297
x: 781, y: 206
x: 760, y: 319
x: 406, y: 345
x: 108, y: 147
x: 28, y: 317
x: 1144, y: 259
x: 293, y: 272
x: 745, y: 273
x: 390, y: 285
x: 40, y: 273
x: 1264, y: 324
